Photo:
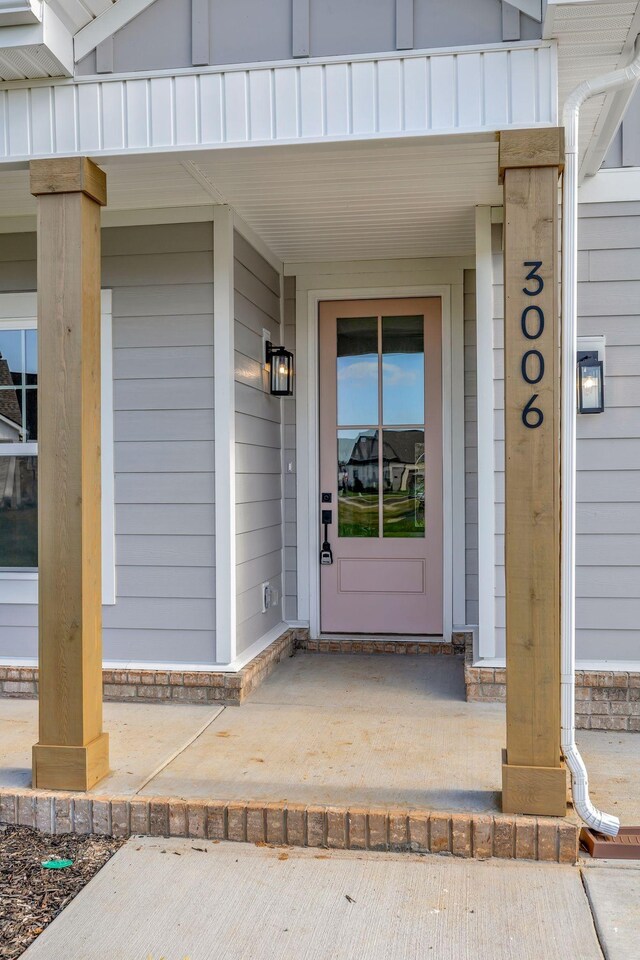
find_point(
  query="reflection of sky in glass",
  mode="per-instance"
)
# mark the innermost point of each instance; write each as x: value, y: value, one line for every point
x: 403, y: 388
x: 32, y: 351
x: 358, y: 389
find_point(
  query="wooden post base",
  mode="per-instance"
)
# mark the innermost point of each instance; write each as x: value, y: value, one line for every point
x: 70, y: 768
x: 540, y: 791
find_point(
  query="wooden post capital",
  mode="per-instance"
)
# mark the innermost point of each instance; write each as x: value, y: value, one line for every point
x: 69, y: 175
x: 540, y: 147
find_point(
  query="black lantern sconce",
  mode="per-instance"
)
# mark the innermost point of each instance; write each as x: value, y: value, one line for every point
x: 280, y: 363
x: 590, y: 383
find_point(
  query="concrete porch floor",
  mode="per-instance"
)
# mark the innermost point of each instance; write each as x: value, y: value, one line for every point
x: 331, y: 730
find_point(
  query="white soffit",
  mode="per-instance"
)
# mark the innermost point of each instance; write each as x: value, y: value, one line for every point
x: 347, y: 201
x: 421, y: 93
x: 593, y: 37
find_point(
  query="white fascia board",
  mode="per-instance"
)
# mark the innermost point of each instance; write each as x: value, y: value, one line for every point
x: 611, y: 117
x: 113, y: 19
x: 16, y: 12
x: 471, y: 90
x: 49, y: 34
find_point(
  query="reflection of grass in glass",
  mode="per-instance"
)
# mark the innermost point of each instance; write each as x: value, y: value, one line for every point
x: 19, y: 537
x: 358, y: 515
x: 403, y: 515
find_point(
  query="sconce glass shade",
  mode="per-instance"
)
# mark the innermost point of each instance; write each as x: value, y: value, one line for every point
x: 280, y: 371
x: 590, y: 384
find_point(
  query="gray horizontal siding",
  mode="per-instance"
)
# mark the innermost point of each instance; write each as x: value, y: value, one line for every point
x: 259, y: 527
x: 608, y: 452
x: 162, y: 282
x: 172, y: 34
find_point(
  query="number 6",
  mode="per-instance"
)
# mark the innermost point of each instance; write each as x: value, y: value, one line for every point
x: 530, y: 410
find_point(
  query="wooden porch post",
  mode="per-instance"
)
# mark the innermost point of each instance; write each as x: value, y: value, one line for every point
x: 533, y: 776
x: 73, y: 751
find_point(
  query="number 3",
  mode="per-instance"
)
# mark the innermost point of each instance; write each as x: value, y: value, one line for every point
x: 532, y: 275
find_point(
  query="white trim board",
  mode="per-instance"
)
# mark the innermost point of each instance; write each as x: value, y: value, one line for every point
x: 484, y: 637
x: 471, y: 90
x: 225, y: 434
x: 21, y: 587
x: 616, y: 185
x: 608, y: 666
x: 115, y: 17
x: 345, y: 282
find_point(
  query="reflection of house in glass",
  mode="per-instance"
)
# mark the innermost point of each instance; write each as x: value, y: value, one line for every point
x: 18, y: 477
x: 403, y: 495
x: 358, y: 462
x: 10, y: 412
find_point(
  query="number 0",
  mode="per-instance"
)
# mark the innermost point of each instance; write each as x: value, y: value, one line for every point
x: 532, y: 308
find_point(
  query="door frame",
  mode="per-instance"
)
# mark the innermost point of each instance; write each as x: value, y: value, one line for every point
x: 308, y: 437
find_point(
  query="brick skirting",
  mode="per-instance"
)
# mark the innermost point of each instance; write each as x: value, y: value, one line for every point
x: 143, y: 686
x: 604, y: 701
x: 287, y: 824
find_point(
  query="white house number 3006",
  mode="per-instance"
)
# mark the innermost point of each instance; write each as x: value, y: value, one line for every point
x: 532, y: 325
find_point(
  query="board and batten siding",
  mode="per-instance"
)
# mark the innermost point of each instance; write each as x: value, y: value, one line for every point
x: 470, y: 449
x: 182, y: 33
x: 162, y: 283
x: 608, y: 446
x: 259, y: 540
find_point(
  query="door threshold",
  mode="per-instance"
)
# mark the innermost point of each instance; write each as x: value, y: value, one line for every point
x: 385, y: 637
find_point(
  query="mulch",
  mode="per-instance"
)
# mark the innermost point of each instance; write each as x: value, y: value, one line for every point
x: 32, y: 896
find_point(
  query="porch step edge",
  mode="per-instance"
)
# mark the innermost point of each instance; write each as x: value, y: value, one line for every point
x: 468, y: 835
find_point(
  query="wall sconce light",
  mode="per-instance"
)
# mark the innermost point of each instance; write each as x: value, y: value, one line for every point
x: 280, y: 362
x: 590, y: 383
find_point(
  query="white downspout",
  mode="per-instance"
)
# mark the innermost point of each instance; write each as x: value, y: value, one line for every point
x: 602, y: 822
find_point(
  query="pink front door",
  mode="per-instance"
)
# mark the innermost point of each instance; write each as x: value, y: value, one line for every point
x: 381, y: 466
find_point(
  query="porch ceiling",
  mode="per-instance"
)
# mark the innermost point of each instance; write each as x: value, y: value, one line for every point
x: 348, y: 201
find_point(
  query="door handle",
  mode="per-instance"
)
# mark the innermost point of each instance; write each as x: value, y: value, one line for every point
x: 326, y: 555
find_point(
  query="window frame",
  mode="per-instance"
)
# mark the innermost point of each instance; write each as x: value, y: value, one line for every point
x: 18, y: 311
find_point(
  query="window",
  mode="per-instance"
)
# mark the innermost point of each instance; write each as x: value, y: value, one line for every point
x: 19, y: 450
x: 18, y: 445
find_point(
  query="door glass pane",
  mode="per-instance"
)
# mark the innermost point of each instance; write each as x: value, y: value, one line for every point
x: 403, y: 508
x: 402, y: 370
x: 18, y: 511
x: 357, y: 370
x: 357, y: 483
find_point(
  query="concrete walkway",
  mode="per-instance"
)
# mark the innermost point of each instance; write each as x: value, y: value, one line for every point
x: 613, y: 889
x: 177, y: 899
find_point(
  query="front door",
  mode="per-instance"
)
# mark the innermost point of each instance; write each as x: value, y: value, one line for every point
x: 381, y: 466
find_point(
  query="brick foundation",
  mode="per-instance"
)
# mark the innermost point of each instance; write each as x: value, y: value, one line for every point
x: 604, y: 701
x: 349, y: 828
x: 181, y: 686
